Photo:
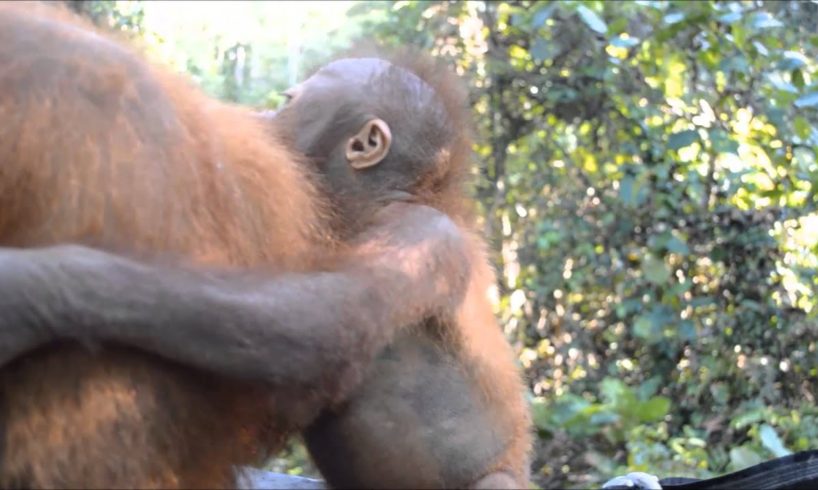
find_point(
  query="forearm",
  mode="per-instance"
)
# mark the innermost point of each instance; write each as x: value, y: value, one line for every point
x: 229, y: 322
x: 285, y: 330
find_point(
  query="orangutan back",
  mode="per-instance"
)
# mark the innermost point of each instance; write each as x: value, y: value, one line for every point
x: 99, y: 147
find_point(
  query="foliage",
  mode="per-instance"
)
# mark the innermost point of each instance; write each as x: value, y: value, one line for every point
x: 122, y: 16
x: 252, y: 55
x: 647, y: 174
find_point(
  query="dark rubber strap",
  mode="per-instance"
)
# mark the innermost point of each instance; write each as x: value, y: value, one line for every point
x: 797, y: 471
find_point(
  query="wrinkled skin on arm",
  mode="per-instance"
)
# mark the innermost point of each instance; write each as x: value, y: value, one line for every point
x: 289, y: 329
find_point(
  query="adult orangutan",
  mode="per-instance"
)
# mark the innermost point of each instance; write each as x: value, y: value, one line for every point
x: 99, y: 147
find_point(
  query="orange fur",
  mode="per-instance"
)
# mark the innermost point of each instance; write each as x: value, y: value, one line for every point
x: 99, y: 147
x: 486, y: 350
x: 476, y: 336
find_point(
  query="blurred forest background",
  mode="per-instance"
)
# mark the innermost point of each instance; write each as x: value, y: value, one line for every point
x: 647, y: 176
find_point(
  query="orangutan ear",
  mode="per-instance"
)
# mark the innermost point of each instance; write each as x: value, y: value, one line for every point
x: 370, y: 145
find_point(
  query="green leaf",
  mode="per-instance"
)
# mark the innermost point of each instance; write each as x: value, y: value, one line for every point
x: 626, y: 190
x: 682, y: 139
x: 674, y: 18
x: 643, y: 327
x: 668, y: 241
x: 655, y: 270
x: 737, y: 63
x: 809, y: 100
x: 739, y: 35
x: 618, y: 25
x: 777, y: 81
x: 730, y: 18
x: 763, y: 20
x: 797, y: 77
x: 603, y: 418
x: 649, y: 387
x: 564, y: 409
x: 776, y: 116
x: 540, y: 415
x: 722, y: 143
x: 541, y: 50
x: 792, y: 60
x: 762, y: 50
x: 687, y: 331
x: 592, y: 20
x: 542, y: 15
x: 771, y: 441
x: 748, y: 418
x: 625, y: 42
x: 802, y: 127
x: 617, y: 393
x: 720, y: 393
x: 743, y: 457
x: 677, y: 246
x: 654, y: 409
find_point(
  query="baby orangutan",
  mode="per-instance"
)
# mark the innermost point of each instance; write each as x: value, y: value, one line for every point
x: 443, y: 406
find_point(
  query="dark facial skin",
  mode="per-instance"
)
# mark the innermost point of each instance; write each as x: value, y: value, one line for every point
x: 374, y: 134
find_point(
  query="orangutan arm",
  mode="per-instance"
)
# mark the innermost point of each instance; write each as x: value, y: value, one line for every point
x: 289, y: 329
